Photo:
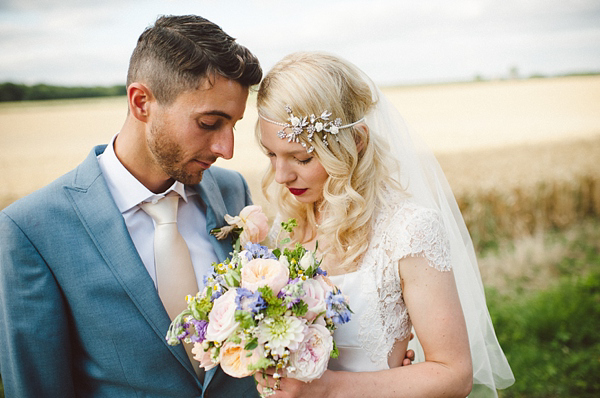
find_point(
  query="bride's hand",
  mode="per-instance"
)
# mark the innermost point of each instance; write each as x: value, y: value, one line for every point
x: 267, y: 385
x: 409, y: 357
x: 291, y: 388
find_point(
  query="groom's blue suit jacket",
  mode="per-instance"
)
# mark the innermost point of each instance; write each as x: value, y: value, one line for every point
x: 79, y: 313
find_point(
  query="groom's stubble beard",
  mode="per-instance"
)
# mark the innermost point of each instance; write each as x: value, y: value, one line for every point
x: 169, y: 156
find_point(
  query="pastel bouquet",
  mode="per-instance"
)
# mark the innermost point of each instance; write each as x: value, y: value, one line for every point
x: 263, y: 307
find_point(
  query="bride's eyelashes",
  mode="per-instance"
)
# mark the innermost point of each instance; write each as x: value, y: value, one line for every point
x: 299, y: 161
x: 305, y: 161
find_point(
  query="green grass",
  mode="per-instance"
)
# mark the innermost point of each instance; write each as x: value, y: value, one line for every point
x: 551, y: 337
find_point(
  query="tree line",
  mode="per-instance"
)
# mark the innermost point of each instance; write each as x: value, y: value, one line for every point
x: 23, y: 92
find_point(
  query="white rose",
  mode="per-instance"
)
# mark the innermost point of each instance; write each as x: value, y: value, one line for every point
x: 306, y: 261
x: 243, y: 258
x: 315, y: 292
x: 294, y: 121
x: 221, y: 319
x: 312, y: 356
x: 284, y: 261
x: 318, y: 126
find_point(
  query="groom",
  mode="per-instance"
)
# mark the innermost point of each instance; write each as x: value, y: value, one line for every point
x: 80, y: 313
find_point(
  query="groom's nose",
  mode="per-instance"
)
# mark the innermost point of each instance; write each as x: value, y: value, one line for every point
x: 222, y: 144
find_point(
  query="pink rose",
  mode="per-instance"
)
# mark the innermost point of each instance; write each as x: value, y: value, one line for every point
x: 235, y: 361
x: 315, y: 291
x: 221, y: 319
x: 204, y: 357
x: 312, y: 356
x: 264, y: 272
x: 254, y: 224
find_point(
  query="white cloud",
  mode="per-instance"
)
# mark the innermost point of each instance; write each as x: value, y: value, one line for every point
x: 89, y: 42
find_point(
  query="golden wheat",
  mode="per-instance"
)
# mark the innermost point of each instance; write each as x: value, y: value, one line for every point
x: 517, y: 191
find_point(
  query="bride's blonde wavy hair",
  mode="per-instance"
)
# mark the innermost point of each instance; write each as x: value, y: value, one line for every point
x: 311, y: 83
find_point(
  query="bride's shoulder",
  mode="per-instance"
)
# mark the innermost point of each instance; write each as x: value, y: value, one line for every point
x: 407, y: 228
x: 399, y: 209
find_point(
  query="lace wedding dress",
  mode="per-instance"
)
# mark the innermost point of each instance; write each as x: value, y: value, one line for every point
x: 400, y: 229
x: 428, y: 224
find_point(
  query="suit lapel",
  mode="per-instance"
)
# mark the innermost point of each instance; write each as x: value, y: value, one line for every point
x: 97, y: 210
x: 215, y: 213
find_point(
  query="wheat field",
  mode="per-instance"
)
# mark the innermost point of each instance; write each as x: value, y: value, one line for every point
x: 520, y: 155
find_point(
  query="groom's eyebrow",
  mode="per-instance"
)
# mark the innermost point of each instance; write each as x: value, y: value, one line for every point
x: 217, y: 113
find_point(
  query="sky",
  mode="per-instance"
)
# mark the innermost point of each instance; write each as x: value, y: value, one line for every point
x: 89, y: 42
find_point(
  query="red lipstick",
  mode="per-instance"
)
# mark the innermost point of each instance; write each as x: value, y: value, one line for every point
x: 297, y: 192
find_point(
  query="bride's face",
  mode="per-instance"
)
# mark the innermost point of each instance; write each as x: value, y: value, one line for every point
x: 300, y: 172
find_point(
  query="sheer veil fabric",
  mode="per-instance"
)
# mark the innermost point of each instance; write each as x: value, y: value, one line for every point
x: 421, y: 175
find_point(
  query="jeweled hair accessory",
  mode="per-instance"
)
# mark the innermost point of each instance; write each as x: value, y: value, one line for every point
x: 311, y: 125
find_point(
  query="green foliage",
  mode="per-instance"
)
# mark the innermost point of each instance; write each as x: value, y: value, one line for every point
x: 199, y: 306
x: 335, y: 353
x: 300, y: 308
x: 245, y: 319
x: 275, y: 305
x: 252, y: 344
x: 22, y: 92
x: 551, y: 338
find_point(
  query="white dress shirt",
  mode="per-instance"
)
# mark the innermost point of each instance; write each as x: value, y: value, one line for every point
x: 128, y: 193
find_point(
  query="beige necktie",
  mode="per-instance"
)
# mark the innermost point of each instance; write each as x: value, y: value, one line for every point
x: 175, y: 275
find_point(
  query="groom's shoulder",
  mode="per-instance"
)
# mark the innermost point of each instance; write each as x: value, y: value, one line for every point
x: 52, y: 195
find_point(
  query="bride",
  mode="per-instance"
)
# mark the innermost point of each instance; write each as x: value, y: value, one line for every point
x: 344, y: 165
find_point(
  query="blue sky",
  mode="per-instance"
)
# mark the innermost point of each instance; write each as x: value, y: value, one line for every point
x: 85, y: 42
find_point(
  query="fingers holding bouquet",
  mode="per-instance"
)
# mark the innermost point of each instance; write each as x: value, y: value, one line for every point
x: 272, y: 383
x: 268, y: 381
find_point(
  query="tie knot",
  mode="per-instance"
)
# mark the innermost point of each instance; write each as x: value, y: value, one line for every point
x: 164, y: 211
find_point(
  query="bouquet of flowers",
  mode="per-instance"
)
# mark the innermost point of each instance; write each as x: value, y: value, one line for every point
x: 263, y: 307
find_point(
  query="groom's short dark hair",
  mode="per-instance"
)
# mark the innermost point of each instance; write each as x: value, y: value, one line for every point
x: 177, y: 52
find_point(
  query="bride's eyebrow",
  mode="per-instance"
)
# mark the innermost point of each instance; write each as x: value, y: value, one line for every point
x: 264, y: 146
x: 292, y: 153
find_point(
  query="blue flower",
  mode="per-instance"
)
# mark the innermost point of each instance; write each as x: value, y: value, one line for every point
x: 249, y: 301
x: 255, y: 250
x: 337, y: 308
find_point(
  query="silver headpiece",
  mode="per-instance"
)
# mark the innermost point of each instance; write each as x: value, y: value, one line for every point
x: 321, y: 125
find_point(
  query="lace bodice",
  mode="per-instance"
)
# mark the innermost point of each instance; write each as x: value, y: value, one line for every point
x: 400, y: 229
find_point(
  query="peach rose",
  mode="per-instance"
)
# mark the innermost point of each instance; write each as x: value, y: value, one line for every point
x: 204, y: 357
x: 221, y: 319
x: 264, y: 272
x: 253, y: 222
x: 312, y: 356
x: 235, y: 360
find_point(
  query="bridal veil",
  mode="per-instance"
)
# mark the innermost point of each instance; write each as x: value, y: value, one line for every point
x: 421, y: 175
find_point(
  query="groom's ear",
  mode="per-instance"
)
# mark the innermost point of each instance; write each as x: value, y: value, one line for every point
x: 139, y: 97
